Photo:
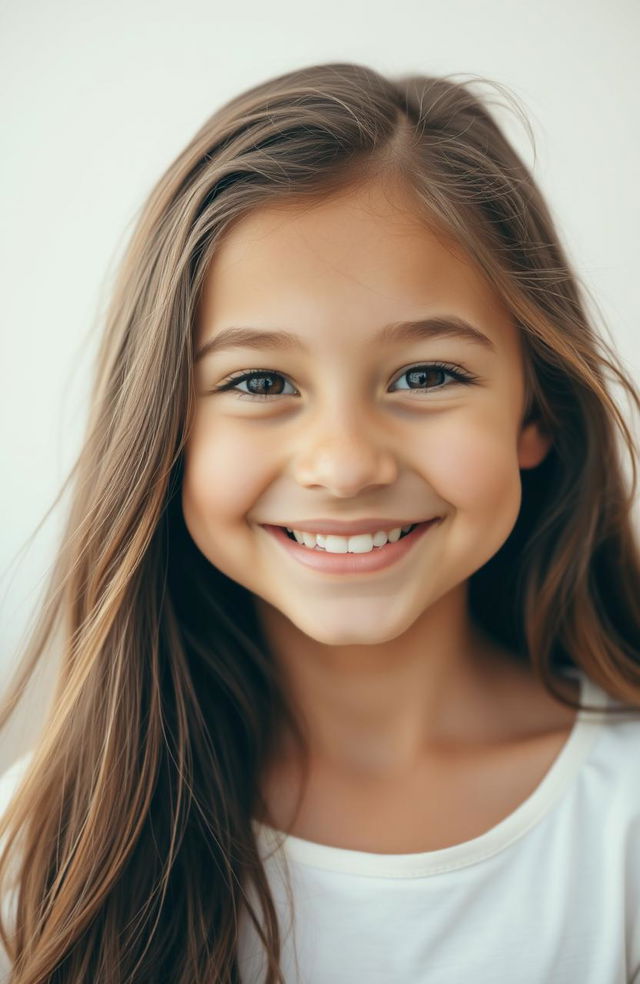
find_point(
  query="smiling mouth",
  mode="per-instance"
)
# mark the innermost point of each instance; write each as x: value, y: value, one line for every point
x: 363, y: 542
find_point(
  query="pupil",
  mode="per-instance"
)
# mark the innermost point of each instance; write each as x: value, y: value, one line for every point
x: 262, y: 388
x: 419, y: 376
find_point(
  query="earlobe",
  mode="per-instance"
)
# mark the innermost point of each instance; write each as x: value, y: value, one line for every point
x: 533, y: 445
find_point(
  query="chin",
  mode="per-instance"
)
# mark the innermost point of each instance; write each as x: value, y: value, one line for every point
x: 340, y: 634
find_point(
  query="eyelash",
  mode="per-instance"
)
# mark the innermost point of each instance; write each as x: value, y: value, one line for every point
x: 458, y: 374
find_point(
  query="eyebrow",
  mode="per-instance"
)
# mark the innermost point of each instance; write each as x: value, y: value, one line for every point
x: 423, y: 329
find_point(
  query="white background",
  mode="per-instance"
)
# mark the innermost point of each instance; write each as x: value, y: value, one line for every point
x: 97, y: 98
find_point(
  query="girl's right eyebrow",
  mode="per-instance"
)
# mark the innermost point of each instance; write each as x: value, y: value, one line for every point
x: 425, y: 329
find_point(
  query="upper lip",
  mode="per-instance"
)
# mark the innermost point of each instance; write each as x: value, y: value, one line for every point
x: 353, y: 526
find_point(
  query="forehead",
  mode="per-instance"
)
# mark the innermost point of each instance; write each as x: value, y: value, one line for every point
x: 348, y: 263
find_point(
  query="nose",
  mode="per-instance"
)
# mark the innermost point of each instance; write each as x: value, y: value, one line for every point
x: 345, y: 456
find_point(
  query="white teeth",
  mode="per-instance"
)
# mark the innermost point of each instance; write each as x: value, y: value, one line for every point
x: 360, y: 543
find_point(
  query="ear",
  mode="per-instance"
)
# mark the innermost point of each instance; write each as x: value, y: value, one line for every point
x: 534, y: 443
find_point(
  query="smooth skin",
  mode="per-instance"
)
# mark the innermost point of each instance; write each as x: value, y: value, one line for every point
x: 422, y: 731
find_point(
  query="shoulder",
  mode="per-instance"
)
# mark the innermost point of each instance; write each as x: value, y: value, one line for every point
x: 616, y: 771
x: 613, y: 765
x: 9, y: 781
x: 605, y: 803
x: 616, y: 753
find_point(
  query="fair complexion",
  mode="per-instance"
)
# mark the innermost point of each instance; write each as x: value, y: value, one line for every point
x: 386, y: 668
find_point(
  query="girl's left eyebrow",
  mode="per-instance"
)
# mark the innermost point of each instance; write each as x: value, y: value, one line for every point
x: 399, y: 331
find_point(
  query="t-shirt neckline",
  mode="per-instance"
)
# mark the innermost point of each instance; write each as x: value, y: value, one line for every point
x: 563, y: 769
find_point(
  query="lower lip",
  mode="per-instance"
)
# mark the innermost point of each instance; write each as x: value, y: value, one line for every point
x: 351, y: 563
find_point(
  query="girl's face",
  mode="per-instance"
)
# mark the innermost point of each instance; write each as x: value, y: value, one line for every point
x: 355, y: 424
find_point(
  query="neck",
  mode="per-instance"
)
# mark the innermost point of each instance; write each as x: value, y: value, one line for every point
x: 376, y: 709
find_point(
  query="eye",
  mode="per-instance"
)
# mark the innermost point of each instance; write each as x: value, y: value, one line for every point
x: 263, y: 389
x: 419, y: 375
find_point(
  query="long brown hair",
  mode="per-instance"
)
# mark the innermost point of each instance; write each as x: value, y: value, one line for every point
x: 134, y: 817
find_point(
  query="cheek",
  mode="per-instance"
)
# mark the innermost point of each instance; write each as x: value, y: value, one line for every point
x: 223, y: 475
x: 472, y: 463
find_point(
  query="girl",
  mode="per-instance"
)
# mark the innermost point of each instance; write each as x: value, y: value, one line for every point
x: 347, y: 602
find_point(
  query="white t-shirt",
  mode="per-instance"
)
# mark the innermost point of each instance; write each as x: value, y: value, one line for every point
x: 550, y: 895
